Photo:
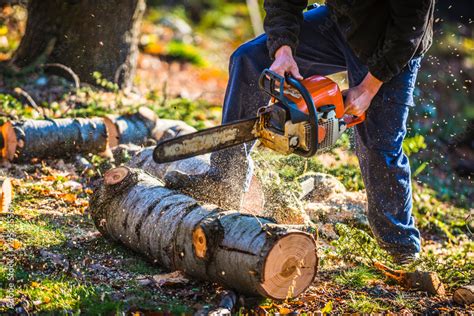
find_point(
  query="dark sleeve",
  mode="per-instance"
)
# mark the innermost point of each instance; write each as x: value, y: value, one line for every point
x: 408, y: 24
x: 282, y: 23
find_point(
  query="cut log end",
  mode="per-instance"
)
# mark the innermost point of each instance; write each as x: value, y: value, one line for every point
x: 290, y: 267
x: 10, y: 141
x: 116, y: 175
x: 199, y: 243
x: 112, y: 132
x: 6, y: 195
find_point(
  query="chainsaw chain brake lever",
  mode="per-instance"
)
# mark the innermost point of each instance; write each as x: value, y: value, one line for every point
x: 273, y: 84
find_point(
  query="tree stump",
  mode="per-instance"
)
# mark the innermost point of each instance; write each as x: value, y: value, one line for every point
x: 85, y: 35
x: 243, y: 252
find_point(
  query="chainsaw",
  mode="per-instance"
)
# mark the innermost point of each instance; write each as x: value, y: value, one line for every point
x: 303, y: 118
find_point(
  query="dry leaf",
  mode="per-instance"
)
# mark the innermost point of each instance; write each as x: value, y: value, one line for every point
x: 16, y: 244
x: 173, y: 278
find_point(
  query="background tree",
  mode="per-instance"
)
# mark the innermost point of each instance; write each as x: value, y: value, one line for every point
x: 85, y: 35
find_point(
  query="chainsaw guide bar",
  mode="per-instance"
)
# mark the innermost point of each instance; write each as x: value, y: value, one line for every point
x: 205, y: 141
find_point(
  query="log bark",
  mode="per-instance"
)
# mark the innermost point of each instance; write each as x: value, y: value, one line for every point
x: 253, y: 200
x: 243, y: 252
x: 134, y: 128
x: 464, y: 295
x: 62, y: 138
x: 24, y: 140
x: 84, y: 35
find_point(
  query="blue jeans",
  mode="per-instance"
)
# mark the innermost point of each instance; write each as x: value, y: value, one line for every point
x: 385, y: 168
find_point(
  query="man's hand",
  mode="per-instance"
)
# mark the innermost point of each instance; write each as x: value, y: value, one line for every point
x: 359, y: 97
x: 285, y: 63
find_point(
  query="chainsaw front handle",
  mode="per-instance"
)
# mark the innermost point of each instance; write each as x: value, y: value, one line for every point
x: 313, y: 116
x: 273, y: 84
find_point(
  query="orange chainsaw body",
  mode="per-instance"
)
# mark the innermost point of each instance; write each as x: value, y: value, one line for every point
x: 324, y: 91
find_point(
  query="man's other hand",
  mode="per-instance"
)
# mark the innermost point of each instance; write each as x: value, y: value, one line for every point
x: 358, y: 98
x: 285, y: 63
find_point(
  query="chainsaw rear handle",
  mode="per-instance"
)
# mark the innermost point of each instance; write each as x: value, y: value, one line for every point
x: 352, y: 120
x: 268, y: 83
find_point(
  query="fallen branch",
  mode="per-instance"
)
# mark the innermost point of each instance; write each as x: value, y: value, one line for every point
x: 419, y: 280
x: 249, y: 254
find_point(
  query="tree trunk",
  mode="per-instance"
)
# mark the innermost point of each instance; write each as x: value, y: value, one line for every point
x: 84, y: 35
x: 249, y: 254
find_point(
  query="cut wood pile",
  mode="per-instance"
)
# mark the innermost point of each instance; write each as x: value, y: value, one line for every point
x: 243, y: 252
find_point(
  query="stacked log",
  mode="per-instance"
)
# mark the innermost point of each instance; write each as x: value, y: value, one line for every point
x: 249, y: 254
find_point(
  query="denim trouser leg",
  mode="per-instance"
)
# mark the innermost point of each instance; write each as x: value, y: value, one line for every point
x: 322, y: 50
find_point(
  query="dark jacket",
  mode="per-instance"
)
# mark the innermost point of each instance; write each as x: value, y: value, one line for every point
x: 384, y: 34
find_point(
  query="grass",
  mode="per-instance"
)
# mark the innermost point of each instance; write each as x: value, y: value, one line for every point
x: 364, y: 304
x: 357, y: 278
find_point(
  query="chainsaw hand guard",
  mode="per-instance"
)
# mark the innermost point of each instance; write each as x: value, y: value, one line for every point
x: 274, y: 85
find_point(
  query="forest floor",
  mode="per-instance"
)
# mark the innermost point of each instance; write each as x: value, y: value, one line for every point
x: 60, y: 264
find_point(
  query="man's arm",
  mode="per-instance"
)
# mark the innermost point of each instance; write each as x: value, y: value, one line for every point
x: 282, y: 26
x: 282, y: 23
x: 409, y: 21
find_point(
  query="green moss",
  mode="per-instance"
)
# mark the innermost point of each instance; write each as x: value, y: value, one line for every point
x: 185, y: 52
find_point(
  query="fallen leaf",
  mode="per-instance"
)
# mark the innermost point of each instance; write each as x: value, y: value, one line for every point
x: 167, y: 279
x: 327, y: 309
x: 16, y: 244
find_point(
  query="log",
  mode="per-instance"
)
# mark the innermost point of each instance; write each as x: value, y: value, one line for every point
x: 464, y: 295
x: 24, y: 140
x: 134, y: 128
x: 251, y: 255
x: 60, y: 138
x: 6, y: 195
x: 419, y: 280
x: 252, y: 202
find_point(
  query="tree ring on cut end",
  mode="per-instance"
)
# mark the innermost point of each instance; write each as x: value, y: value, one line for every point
x: 112, y: 131
x: 290, y: 266
x: 116, y: 175
x: 10, y: 141
x: 200, y: 242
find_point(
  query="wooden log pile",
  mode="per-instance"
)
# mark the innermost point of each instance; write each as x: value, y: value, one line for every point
x: 249, y: 254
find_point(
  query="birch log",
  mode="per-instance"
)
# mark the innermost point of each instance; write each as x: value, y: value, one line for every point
x: 59, y: 138
x: 243, y: 252
x: 134, y: 128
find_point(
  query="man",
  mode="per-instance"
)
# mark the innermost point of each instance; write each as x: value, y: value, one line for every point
x: 380, y: 44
